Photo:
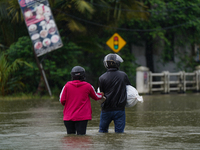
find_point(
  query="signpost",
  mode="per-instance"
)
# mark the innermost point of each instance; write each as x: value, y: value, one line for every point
x: 41, y: 26
x: 42, y: 30
x: 116, y: 42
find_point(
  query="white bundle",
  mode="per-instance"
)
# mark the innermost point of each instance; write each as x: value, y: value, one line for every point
x: 132, y: 96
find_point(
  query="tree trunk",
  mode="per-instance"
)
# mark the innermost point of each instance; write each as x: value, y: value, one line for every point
x: 41, y: 87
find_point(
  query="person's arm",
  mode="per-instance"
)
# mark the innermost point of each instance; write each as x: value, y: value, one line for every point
x: 63, y: 96
x: 94, y: 95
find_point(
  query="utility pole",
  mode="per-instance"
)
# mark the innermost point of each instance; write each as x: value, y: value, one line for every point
x: 42, y: 73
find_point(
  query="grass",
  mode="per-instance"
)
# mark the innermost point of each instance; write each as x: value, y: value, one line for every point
x: 22, y: 96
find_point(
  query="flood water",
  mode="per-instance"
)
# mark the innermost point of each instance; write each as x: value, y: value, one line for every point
x: 161, y: 122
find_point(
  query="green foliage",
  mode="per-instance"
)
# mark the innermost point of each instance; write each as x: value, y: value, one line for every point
x: 129, y: 66
x: 57, y: 64
x: 185, y: 62
x: 8, y: 81
x: 23, y: 49
x: 175, y: 24
x: 85, y: 26
x: 11, y: 22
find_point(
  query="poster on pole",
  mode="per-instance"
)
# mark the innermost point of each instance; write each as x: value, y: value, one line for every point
x: 41, y: 26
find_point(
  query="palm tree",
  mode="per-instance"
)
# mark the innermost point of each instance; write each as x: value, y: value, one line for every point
x: 76, y: 12
x: 80, y: 8
x: 3, y: 22
x: 74, y: 16
x: 11, y: 22
x: 7, y: 81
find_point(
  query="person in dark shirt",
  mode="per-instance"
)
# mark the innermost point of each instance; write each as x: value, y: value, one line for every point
x: 113, y: 84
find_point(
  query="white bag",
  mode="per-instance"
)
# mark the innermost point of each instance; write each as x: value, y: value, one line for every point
x: 101, y: 100
x: 132, y: 96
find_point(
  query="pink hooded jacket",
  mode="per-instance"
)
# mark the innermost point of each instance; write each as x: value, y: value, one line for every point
x: 76, y: 101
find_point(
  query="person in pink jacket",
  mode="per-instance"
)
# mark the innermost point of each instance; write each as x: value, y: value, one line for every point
x: 75, y: 97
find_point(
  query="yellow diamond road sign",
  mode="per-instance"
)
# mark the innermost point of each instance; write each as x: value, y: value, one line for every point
x: 116, y: 42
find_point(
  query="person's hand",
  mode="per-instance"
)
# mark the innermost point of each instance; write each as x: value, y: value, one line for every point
x: 102, y: 93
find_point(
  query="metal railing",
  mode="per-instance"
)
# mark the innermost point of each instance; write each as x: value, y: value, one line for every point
x: 166, y: 82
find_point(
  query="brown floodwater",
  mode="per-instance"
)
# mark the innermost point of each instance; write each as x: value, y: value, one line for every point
x: 168, y: 121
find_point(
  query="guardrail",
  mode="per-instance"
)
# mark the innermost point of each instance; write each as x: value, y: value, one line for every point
x: 166, y: 82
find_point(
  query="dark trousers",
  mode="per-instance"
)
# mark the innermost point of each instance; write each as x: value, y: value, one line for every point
x: 74, y: 127
x: 119, y: 118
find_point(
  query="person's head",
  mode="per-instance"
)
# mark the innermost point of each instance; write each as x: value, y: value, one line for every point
x: 78, y: 73
x: 112, y: 61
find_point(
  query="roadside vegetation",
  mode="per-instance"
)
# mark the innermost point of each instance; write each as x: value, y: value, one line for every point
x: 85, y: 26
x: 26, y: 96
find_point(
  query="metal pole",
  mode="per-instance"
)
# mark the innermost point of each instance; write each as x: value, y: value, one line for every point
x: 42, y: 73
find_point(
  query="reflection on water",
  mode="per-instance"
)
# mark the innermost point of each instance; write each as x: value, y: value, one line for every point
x: 77, y: 142
x: 161, y: 122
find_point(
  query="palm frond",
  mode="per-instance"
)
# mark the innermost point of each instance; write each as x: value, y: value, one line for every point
x: 6, y: 70
x: 139, y: 13
x: 15, y: 11
x: 75, y: 26
x: 84, y: 6
x: 2, y: 46
x: 14, y: 84
x: 3, y: 10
